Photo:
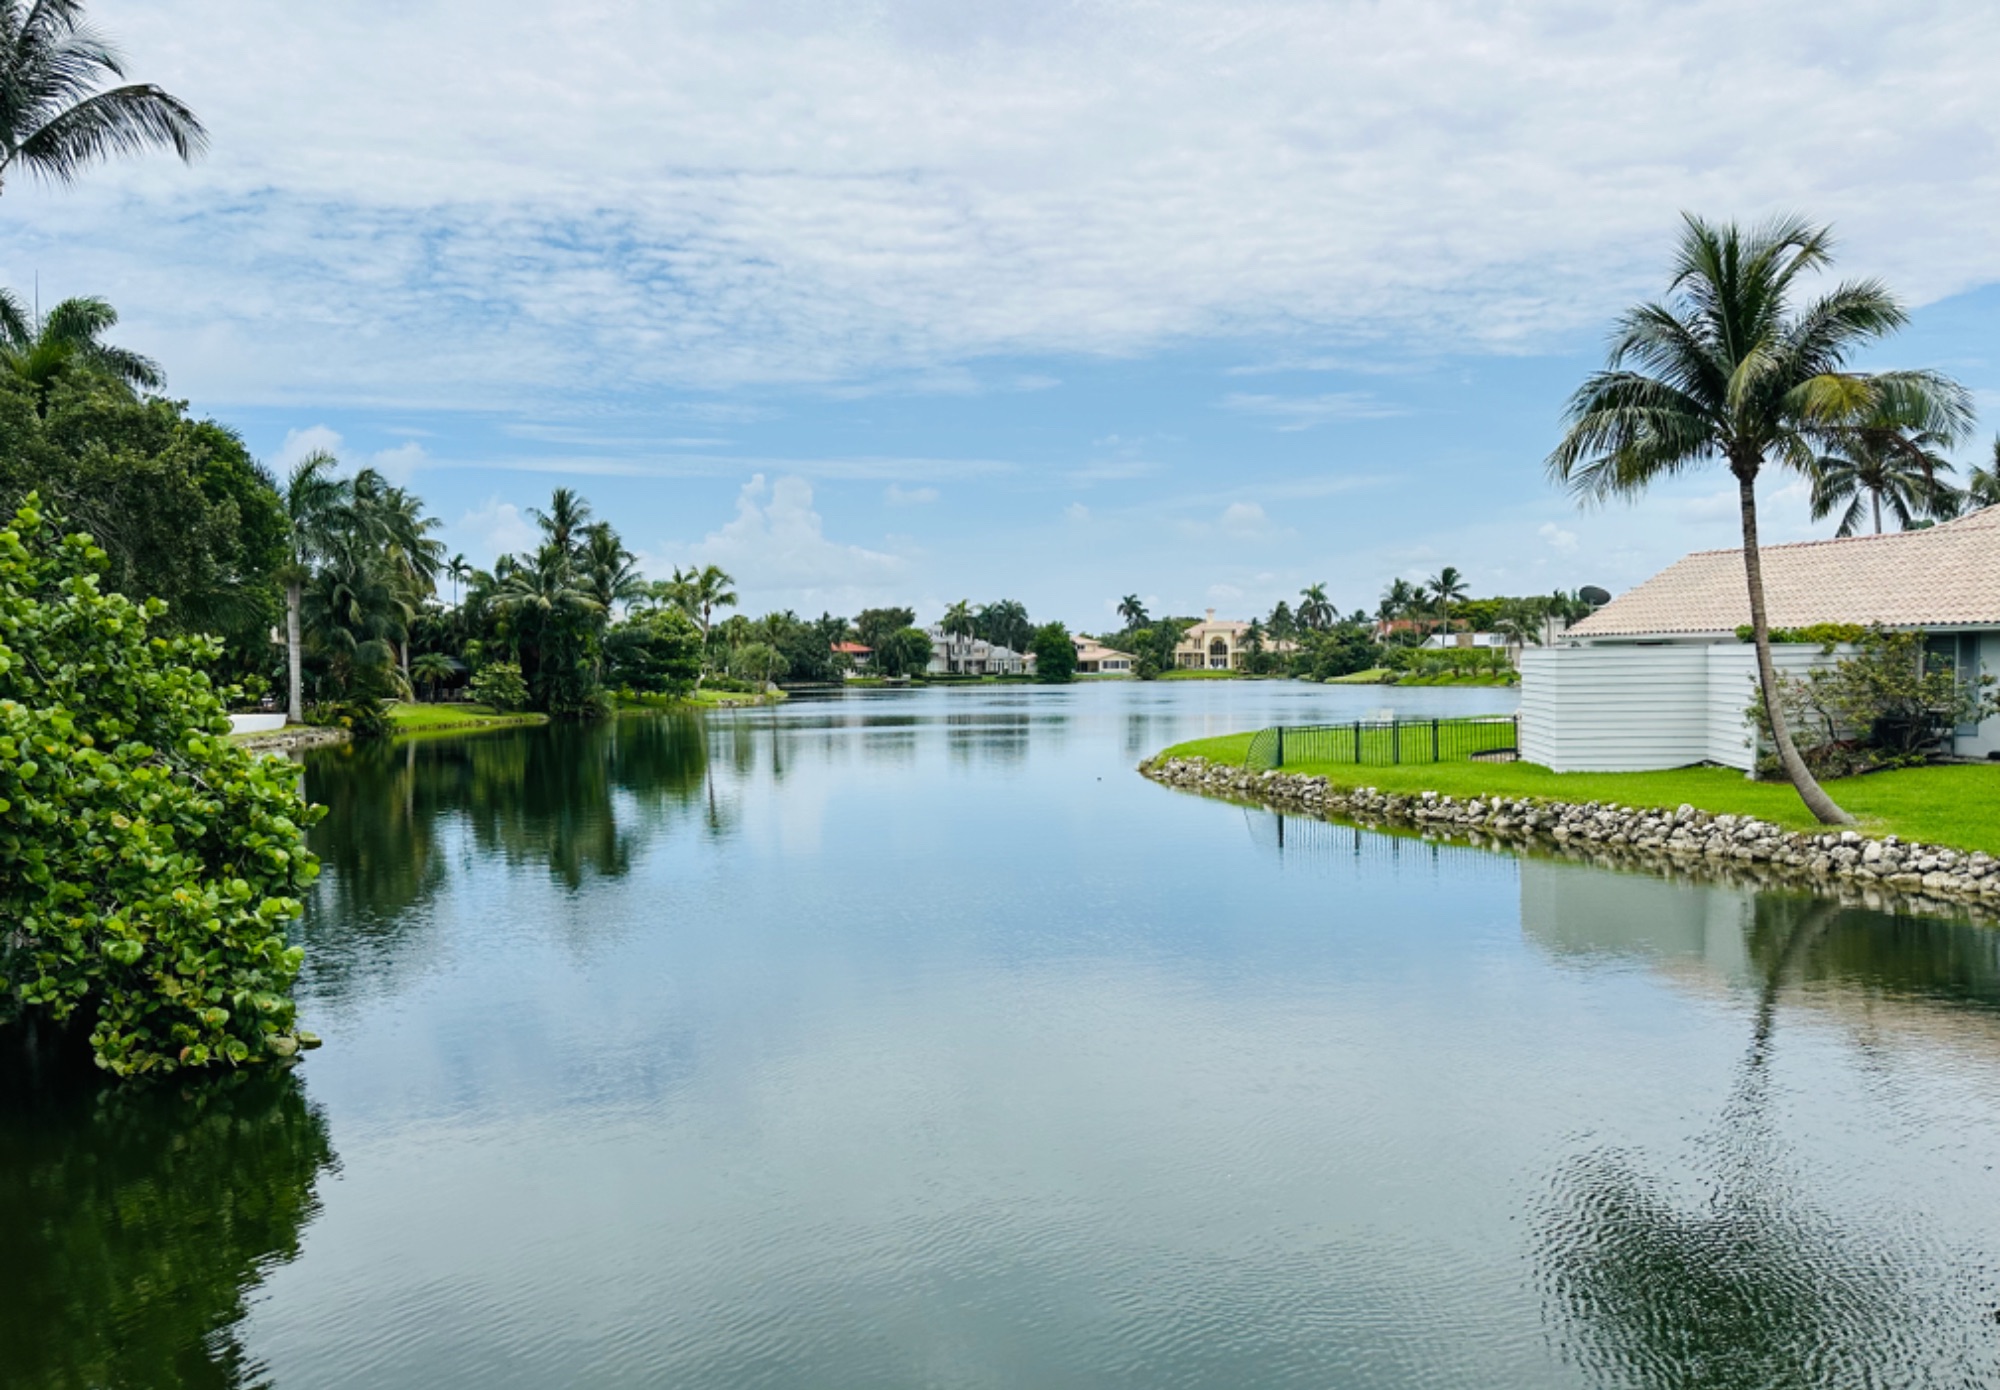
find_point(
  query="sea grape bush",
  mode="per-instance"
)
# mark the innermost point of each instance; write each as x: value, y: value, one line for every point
x: 148, y: 866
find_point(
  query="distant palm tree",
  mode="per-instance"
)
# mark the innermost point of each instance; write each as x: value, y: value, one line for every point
x: 1398, y: 600
x: 39, y: 351
x: 1133, y: 612
x: 1982, y: 485
x: 431, y: 670
x: 958, y: 620
x: 1446, y: 587
x: 319, y: 513
x: 609, y: 570
x: 57, y: 116
x: 699, y: 593
x: 1878, y: 463
x: 1315, y: 609
x: 566, y: 516
x: 1725, y: 371
x: 458, y: 570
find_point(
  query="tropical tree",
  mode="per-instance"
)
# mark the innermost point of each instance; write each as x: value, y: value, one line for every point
x: 1727, y: 371
x: 1133, y: 611
x: 58, y: 115
x: 1315, y: 609
x: 555, y: 621
x: 700, y: 592
x: 41, y: 350
x: 355, y: 620
x: 431, y: 670
x: 319, y: 510
x: 1982, y: 485
x: 1281, y: 624
x: 610, y: 571
x: 1399, y: 600
x: 565, y: 518
x: 958, y: 620
x: 1055, y: 654
x: 458, y: 571
x: 1005, y: 623
x: 1445, y: 588
x: 1879, y: 462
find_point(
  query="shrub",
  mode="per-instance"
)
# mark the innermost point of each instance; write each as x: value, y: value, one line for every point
x: 363, y: 716
x: 501, y: 685
x: 656, y: 653
x: 1827, y: 635
x: 148, y: 866
x: 1055, y: 654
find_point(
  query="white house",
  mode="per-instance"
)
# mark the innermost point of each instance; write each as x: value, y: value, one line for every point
x: 1657, y: 678
x: 954, y: 654
x: 1093, y: 658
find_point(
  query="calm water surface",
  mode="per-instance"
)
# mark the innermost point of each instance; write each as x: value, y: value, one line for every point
x: 913, y: 1040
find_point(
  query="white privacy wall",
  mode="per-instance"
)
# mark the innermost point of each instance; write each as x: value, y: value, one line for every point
x: 1635, y: 709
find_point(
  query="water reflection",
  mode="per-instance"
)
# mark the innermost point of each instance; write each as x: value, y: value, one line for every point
x: 140, y: 1219
x: 1736, y: 1272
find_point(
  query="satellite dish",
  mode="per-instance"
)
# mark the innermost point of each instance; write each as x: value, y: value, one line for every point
x: 1593, y: 595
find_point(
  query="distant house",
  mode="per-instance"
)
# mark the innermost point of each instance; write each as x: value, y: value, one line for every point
x: 954, y: 654
x: 1658, y: 678
x: 1218, y: 645
x: 1093, y: 658
x: 856, y: 654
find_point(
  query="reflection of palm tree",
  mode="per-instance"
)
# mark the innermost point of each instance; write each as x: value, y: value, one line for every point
x: 1751, y: 1288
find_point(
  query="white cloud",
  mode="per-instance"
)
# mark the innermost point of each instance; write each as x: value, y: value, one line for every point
x: 401, y: 463
x: 300, y: 442
x: 1245, y: 521
x: 896, y: 495
x: 627, y: 193
x: 494, y: 529
x: 1557, y: 537
x: 1303, y: 412
x: 777, y: 548
x: 1076, y: 511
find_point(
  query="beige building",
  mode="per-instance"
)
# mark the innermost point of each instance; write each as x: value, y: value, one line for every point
x: 1216, y: 644
x: 1093, y: 658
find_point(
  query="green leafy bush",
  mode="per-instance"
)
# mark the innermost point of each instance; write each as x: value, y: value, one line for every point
x: 1055, y: 654
x: 148, y: 866
x: 1827, y: 635
x: 657, y: 653
x: 501, y: 685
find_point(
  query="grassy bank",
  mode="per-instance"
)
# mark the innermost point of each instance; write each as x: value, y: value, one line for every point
x: 1382, y: 675
x: 727, y: 699
x: 410, y: 718
x: 1957, y: 806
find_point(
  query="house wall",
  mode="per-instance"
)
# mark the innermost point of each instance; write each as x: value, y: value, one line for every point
x: 1629, y: 708
x: 1986, y: 742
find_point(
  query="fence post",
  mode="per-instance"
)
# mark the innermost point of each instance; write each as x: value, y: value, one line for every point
x: 1280, y: 763
x: 1395, y: 739
x: 1357, y: 743
x: 1434, y: 740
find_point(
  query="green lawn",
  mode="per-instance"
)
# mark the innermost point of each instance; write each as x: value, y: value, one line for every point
x: 706, y: 698
x: 1382, y: 675
x: 1958, y: 806
x: 412, y: 718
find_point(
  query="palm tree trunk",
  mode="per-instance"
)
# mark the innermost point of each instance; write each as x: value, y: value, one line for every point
x: 1878, y: 512
x: 1817, y: 801
x: 295, y: 708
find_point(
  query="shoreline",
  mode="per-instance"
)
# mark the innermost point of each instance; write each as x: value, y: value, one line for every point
x: 1886, y: 874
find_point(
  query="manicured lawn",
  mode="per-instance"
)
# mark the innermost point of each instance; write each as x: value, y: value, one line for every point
x: 1372, y: 676
x: 1957, y: 806
x: 411, y: 718
x: 722, y: 699
x: 1382, y: 675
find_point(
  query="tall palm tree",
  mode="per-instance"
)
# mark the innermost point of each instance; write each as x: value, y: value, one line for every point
x: 58, y: 116
x: 1879, y: 464
x: 1133, y: 612
x: 1397, y: 601
x: 699, y: 592
x: 958, y: 620
x: 1725, y: 371
x: 1315, y: 609
x: 565, y: 518
x: 319, y: 510
x: 1446, y: 587
x: 458, y: 570
x: 40, y: 350
x: 608, y: 569
x: 392, y: 519
x: 1982, y: 485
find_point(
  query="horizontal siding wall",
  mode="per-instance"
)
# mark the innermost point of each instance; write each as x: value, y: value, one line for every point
x: 1637, y: 709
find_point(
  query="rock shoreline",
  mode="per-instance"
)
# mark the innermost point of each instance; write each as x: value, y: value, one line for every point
x: 293, y: 738
x: 1887, y: 873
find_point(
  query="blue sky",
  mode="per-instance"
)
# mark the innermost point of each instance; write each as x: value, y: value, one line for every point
x: 915, y: 301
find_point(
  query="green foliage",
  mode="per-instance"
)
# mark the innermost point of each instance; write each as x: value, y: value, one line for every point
x: 1827, y: 635
x: 1340, y: 652
x: 759, y: 663
x: 904, y: 652
x: 364, y: 716
x: 1152, y: 647
x: 872, y: 627
x: 151, y: 866
x: 501, y: 685
x: 1005, y: 623
x: 657, y: 653
x: 1885, y: 706
x: 1055, y: 654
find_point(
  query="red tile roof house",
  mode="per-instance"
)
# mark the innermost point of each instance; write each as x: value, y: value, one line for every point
x: 1657, y: 678
x: 856, y: 654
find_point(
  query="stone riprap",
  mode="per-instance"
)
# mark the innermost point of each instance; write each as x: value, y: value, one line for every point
x: 1886, y: 873
x: 293, y: 738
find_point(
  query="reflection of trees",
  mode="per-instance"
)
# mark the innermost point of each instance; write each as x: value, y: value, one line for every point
x: 1930, y: 958
x: 1753, y: 1285
x: 988, y: 736
x: 134, y: 1222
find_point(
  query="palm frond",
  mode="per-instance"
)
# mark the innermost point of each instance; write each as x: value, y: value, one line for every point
x: 124, y: 120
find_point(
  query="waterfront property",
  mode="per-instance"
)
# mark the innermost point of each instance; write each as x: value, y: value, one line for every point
x: 1658, y: 678
x: 857, y: 655
x: 1219, y: 644
x: 1093, y: 658
x: 960, y: 654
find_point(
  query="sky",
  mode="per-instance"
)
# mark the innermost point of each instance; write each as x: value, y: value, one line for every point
x: 919, y: 300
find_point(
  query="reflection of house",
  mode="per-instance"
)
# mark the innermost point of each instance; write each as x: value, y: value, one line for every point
x: 1093, y: 658
x: 1218, y: 645
x: 856, y: 654
x: 1440, y: 641
x: 1658, y: 678
x: 955, y: 654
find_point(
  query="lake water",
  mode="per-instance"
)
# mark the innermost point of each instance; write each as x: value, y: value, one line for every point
x: 912, y: 1039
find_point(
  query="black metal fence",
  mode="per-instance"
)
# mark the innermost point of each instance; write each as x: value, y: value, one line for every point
x: 1381, y: 742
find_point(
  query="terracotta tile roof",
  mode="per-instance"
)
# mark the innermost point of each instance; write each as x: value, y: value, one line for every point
x: 1945, y: 576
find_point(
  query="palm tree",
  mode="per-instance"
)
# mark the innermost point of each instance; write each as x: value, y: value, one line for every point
x: 431, y: 670
x: 40, y: 350
x: 1982, y: 485
x: 319, y: 510
x: 57, y: 116
x: 1397, y: 601
x: 1875, y: 467
x: 355, y: 617
x: 699, y: 593
x: 566, y: 516
x: 1446, y: 587
x: 1133, y: 612
x: 958, y: 620
x: 1725, y: 371
x: 609, y: 570
x: 392, y: 519
x: 1315, y: 609
x: 458, y: 570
